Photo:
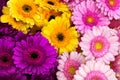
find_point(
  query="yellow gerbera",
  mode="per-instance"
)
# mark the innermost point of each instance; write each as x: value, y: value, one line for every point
x: 52, y: 4
x: 47, y: 15
x: 19, y: 25
x: 51, y: 14
x: 61, y: 35
x: 24, y: 10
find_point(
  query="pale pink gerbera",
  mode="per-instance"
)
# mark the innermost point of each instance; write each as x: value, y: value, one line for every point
x: 111, y: 8
x: 86, y: 15
x: 115, y: 65
x: 100, y: 43
x: 95, y: 70
x: 68, y: 64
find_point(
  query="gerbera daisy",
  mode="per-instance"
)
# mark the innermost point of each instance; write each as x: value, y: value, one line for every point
x: 7, y: 30
x: 35, y: 55
x: 61, y: 35
x: 51, y: 76
x: 47, y: 16
x: 72, y: 3
x: 43, y: 77
x: 18, y: 76
x: 15, y: 76
x: 51, y: 14
x: 6, y: 53
x: 100, y: 43
x: 111, y: 8
x: 115, y: 65
x: 20, y: 36
x: 35, y: 29
x: 2, y: 3
x: 93, y: 70
x: 19, y: 25
x: 86, y: 15
x: 56, y: 5
x: 68, y: 64
x: 25, y: 10
x: 115, y: 24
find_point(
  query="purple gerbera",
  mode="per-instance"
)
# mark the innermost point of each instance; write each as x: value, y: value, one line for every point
x: 7, y: 30
x: 35, y: 55
x: 86, y: 15
x: 15, y: 76
x: 20, y: 36
x: 6, y: 53
x: 2, y: 3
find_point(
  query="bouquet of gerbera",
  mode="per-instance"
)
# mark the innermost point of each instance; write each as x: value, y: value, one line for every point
x: 59, y: 40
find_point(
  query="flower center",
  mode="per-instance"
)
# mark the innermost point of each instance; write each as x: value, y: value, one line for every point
x: 112, y: 2
x: 34, y: 55
x: 50, y: 2
x: 95, y: 75
x: 51, y: 17
x: 95, y: 78
x: 60, y: 37
x: 98, y: 45
x: 27, y: 8
x: 5, y: 59
x: 90, y: 19
x: 72, y: 70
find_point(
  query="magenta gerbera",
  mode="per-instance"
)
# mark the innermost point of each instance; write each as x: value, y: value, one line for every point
x: 95, y: 70
x: 68, y: 64
x: 35, y: 55
x: 115, y: 65
x: 111, y: 8
x: 6, y: 52
x: 100, y: 43
x: 86, y: 15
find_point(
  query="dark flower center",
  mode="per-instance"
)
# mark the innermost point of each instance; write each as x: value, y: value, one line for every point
x: 51, y: 17
x: 34, y: 55
x: 5, y: 59
x: 60, y: 37
x: 51, y: 3
x: 27, y: 8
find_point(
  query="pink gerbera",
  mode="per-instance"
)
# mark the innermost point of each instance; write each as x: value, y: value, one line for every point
x: 68, y: 64
x: 72, y: 3
x: 86, y: 15
x: 111, y: 8
x: 95, y: 70
x: 101, y: 43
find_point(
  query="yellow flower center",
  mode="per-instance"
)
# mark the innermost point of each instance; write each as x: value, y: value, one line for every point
x: 26, y: 8
x: 98, y: 45
x: 112, y: 2
x: 72, y: 70
x: 90, y: 19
